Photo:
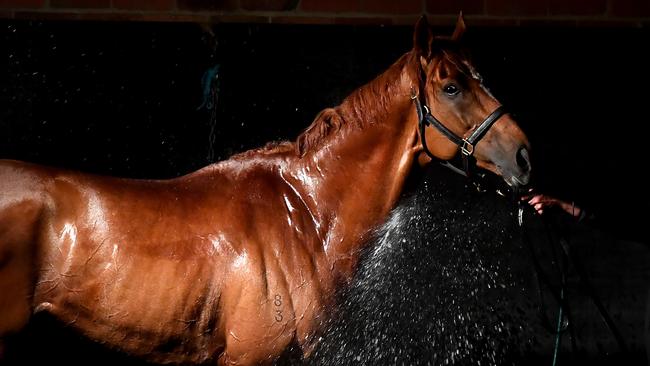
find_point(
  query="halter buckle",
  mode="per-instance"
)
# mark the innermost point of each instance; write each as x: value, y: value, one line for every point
x: 414, y: 94
x: 467, y: 148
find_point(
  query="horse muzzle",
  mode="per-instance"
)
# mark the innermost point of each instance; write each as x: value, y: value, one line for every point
x: 517, y: 175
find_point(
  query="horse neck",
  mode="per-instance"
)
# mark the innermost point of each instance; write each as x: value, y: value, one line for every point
x: 355, y: 177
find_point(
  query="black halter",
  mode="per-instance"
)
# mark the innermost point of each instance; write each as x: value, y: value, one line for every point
x: 466, y: 144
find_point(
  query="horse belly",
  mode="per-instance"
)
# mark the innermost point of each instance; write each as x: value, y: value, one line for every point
x: 161, y: 309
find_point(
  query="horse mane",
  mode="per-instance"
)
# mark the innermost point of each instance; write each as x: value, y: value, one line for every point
x: 359, y: 109
x: 366, y: 104
x: 269, y: 148
x: 326, y: 122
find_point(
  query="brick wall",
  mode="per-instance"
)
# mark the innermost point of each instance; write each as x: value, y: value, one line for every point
x: 591, y: 13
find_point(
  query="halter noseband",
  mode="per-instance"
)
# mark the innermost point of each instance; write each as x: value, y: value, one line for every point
x: 466, y: 145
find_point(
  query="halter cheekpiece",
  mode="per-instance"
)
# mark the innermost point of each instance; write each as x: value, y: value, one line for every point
x: 466, y: 144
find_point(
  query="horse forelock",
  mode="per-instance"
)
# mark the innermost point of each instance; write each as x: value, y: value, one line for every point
x: 361, y: 108
x: 453, y: 60
x: 463, y: 65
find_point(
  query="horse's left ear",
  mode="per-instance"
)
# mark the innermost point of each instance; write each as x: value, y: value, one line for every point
x: 460, y: 28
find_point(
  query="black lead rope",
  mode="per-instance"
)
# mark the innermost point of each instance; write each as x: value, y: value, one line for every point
x: 594, y: 296
x: 560, y: 294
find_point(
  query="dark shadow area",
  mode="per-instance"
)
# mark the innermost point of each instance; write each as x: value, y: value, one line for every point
x: 451, y: 279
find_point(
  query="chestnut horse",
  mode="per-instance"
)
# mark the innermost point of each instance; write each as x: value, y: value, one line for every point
x: 235, y: 262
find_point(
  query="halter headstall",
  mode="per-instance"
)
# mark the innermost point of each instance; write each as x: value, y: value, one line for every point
x: 465, y: 144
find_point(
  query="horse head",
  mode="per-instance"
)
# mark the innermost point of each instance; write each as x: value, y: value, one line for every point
x: 452, y: 98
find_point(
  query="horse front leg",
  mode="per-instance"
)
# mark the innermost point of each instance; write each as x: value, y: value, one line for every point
x: 16, y: 276
x: 16, y: 287
x: 259, y: 318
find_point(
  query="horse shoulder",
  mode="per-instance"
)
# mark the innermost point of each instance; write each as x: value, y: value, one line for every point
x: 270, y: 284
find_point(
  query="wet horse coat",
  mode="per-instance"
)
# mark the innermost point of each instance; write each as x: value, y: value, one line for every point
x: 236, y: 261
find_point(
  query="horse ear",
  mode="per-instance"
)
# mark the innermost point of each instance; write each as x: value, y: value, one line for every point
x: 422, y: 38
x: 460, y: 28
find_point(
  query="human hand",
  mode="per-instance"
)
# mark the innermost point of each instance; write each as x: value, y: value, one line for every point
x: 541, y: 201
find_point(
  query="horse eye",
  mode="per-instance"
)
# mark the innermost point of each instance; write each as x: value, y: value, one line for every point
x: 451, y: 89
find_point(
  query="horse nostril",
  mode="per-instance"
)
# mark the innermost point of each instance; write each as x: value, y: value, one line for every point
x: 523, y: 159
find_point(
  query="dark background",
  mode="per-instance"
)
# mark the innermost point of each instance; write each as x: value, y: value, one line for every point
x: 122, y: 99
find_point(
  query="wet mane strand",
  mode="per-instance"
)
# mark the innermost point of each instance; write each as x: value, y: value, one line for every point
x: 362, y: 107
x: 451, y: 54
x: 366, y: 104
x: 370, y: 101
